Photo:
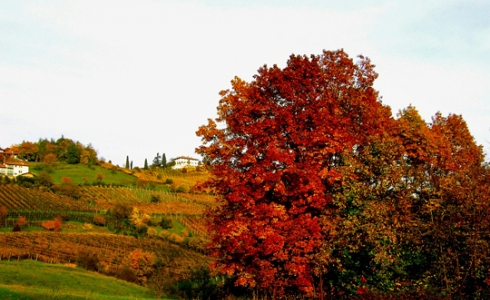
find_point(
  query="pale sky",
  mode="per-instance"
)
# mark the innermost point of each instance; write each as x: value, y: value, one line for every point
x: 139, y: 77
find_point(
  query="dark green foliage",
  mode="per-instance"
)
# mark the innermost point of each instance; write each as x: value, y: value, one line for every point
x: 26, y: 181
x: 73, y: 154
x: 181, y: 189
x: 200, y: 285
x: 169, y: 181
x: 6, y: 180
x: 155, y: 198
x: 127, y: 162
x: 145, y: 166
x: 164, y: 161
x: 156, y: 160
x: 166, y: 223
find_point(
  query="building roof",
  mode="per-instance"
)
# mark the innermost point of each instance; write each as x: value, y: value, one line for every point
x: 185, y: 157
x: 16, y: 163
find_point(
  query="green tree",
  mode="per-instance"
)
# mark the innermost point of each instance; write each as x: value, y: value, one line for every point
x: 164, y: 161
x: 73, y: 154
x: 44, y: 179
x: 127, y: 162
x: 145, y: 165
x: 156, y: 160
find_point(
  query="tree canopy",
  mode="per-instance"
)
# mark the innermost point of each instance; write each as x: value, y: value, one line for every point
x: 323, y: 192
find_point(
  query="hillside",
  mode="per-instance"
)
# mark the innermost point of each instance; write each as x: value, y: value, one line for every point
x: 35, y: 280
x: 103, y: 225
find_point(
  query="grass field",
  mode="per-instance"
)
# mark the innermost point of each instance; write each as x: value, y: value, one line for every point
x: 81, y: 173
x: 36, y: 280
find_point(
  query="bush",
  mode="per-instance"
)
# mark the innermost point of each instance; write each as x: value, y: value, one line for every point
x: 155, y: 199
x: 182, y: 189
x: 88, y: 261
x: 173, y: 237
x: 199, y: 286
x: 45, y: 179
x: 169, y: 181
x: 100, y: 220
x: 127, y: 274
x: 25, y: 181
x: 166, y: 223
x: 54, y: 225
x: 151, y: 232
x: 21, y: 222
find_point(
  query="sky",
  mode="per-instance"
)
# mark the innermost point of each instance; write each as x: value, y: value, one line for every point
x: 137, y: 78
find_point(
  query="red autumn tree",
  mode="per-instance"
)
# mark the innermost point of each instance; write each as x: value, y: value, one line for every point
x: 280, y: 150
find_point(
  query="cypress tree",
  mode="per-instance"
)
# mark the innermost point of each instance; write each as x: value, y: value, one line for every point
x: 146, y: 165
x: 127, y: 162
x: 164, y: 160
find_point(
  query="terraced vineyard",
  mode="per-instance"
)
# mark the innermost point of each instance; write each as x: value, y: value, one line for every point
x: 169, y: 203
x: 20, y: 200
x: 15, y: 197
x: 180, y: 248
x: 111, y: 249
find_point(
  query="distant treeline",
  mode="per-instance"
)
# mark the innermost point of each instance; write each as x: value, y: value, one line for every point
x: 62, y: 149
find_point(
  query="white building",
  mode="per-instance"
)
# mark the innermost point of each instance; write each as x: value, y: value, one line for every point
x: 185, y: 161
x: 13, y: 168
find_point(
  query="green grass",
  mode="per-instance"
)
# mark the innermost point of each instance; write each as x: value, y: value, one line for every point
x: 81, y: 173
x: 177, y: 227
x: 24, y: 229
x: 79, y: 227
x: 36, y: 280
x: 68, y: 226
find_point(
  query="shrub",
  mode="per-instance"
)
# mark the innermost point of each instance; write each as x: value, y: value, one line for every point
x: 142, y: 263
x: 169, y: 181
x: 69, y: 188
x: 127, y: 274
x: 155, y: 198
x: 182, y: 189
x: 164, y: 234
x: 185, y: 233
x: 139, y: 218
x: 199, y: 286
x: 166, y: 223
x: 88, y: 261
x: 151, y: 232
x: 45, y: 179
x: 173, y: 237
x: 100, y: 220
x: 22, y: 221
x: 54, y: 225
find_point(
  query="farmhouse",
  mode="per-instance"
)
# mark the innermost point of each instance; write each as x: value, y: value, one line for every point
x: 185, y: 161
x: 13, y: 168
